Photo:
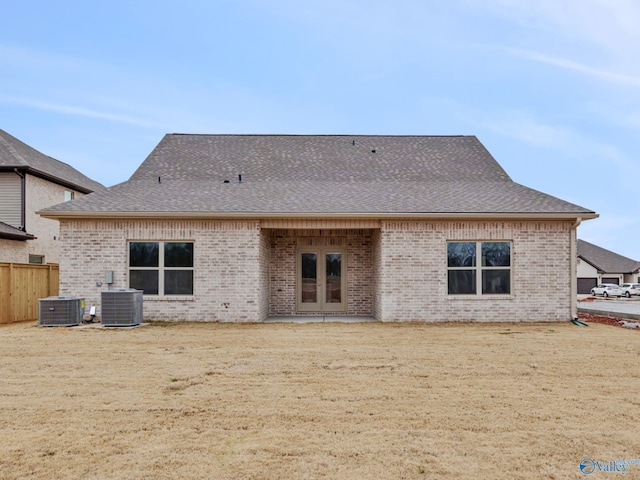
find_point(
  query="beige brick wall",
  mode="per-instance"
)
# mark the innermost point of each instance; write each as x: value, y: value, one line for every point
x: 13, y: 251
x: 398, y: 272
x: 265, y: 258
x: 413, y: 272
x: 376, y: 241
x: 41, y: 194
x: 359, y: 257
x: 228, y: 279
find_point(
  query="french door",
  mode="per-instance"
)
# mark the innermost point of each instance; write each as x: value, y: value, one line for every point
x: 321, y: 279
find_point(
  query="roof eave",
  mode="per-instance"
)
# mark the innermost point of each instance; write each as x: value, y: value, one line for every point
x: 51, y: 178
x: 17, y: 237
x: 586, y: 260
x: 77, y: 215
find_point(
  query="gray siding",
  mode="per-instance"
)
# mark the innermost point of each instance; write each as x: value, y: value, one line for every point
x: 10, y: 199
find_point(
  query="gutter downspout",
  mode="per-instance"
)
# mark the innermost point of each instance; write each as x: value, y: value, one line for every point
x: 574, y: 273
x: 23, y: 200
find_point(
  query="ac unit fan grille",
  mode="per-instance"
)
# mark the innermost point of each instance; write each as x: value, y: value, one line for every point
x: 122, y: 307
x: 60, y: 311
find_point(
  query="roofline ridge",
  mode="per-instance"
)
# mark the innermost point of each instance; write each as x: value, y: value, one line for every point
x: 36, y: 170
x: 11, y: 148
x: 373, y: 135
x: 611, y: 252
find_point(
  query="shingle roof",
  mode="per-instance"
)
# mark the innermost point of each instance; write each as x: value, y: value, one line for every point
x: 12, y: 233
x: 17, y: 154
x: 605, y: 260
x: 320, y: 174
x: 286, y: 158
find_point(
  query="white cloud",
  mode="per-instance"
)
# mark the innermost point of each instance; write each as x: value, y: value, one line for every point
x: 598, y: 38
x: 524, y: 126
x: 609, y: 25
x: 604, y: 74
x: 79, y: 111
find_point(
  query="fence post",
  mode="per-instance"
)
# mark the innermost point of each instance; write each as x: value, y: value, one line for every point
x: 11, y: 317
x: 49, y: 280
x: 22, y: 285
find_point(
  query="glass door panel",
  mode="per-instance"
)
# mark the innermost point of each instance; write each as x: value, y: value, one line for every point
x: 309, y: 278
x: 333, y: 277
x: 321, y: 281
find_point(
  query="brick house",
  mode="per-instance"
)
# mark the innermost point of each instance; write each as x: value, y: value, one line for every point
x: 402, y: 228
x: 31, y: 181
x: 598, y: 265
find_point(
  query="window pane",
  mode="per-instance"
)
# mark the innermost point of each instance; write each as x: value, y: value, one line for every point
x: 333, y: 265
x: 462, y: 282
x: 309, y: 277
x: 178, y: 282
x: 145, y: 280
x: 178, y: 254
x: 496, y: 254
x: 36, y: 259
x: 496, y: 281
x: 461, y: 254
x: 143, y: 254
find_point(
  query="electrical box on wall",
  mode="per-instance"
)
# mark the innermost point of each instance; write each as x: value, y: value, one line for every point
x: 108, y: 277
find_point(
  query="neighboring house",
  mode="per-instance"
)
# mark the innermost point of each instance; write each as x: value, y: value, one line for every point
x: 402, y: 228
x: 597, y: 265
x: 31, y: 181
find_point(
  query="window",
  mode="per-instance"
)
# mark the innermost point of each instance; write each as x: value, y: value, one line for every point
x: 68, y: 195
x: 491, y: 277
x: 36, y: 259
x: 161, y: 268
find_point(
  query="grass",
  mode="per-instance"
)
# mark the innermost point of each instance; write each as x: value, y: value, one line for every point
x: 338, y: 401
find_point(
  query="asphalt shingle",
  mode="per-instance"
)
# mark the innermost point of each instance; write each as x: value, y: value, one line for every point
x: 13, y: 233
x: 605, y: 260
x: 320, y: 174
x: 17, y: 154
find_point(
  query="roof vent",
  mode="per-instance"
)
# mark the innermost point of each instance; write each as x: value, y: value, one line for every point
x: 373, y: 150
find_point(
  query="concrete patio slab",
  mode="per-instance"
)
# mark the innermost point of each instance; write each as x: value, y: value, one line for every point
x: 319, y: 319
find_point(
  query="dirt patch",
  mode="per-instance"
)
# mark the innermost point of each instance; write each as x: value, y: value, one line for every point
x: 338, y: 401
x: 611, y: 321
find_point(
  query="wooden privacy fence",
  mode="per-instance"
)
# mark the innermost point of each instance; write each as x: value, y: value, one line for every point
x: 21, y: 285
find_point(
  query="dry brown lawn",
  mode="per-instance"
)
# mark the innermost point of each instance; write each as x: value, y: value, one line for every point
x: 335, y: 401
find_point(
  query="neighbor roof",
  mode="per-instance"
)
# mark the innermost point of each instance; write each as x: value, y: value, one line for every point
x: 12, y: 233
x: 16, y: 154
x: 318, y: 175
x: 605, y: 260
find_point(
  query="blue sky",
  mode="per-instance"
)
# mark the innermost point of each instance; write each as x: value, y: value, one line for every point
x: 551, y: 87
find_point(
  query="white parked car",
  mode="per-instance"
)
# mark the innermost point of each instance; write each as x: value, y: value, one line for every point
x: 629, y: 289
x: 607, y: 290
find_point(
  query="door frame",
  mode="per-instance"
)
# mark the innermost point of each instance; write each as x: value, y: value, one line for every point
x: 321, y: 306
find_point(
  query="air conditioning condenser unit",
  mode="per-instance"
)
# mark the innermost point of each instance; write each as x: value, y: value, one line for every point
x: 121, y: 307
x: 60, y: 311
